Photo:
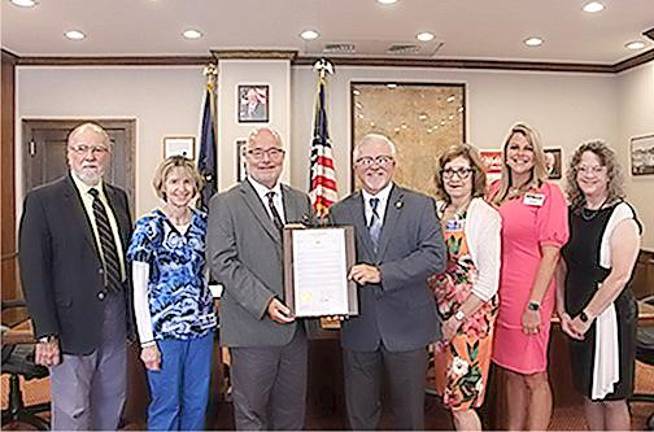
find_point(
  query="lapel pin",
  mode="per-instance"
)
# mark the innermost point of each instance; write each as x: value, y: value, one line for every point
x: 399, y: 204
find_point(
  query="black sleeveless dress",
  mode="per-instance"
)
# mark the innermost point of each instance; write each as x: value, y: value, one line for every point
x: 582, y: 257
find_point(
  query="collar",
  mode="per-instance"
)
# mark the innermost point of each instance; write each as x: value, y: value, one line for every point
x: 382, y: 194
x: 262, y: 190
x: 83, y: 188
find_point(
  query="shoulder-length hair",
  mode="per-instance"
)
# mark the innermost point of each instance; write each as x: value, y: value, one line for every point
x: 164, y: 169
x: 538, y: 172
x: 476, y: 164
x: 607, y: 158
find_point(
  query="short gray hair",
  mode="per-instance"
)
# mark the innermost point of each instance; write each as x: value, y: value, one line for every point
x: 93, y: 127
x: 256, y: 132
x: 374, y: 137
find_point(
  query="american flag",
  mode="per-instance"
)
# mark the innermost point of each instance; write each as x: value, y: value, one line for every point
x: 323, y: 191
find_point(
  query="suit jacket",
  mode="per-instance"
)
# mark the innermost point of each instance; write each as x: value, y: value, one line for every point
x: 400, y: 312
x: 60, y: 267
x: 245, y: 254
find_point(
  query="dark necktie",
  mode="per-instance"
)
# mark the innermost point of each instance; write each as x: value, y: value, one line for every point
x: 107, y: 244
x: 375, y: 225
x: 273, y: 210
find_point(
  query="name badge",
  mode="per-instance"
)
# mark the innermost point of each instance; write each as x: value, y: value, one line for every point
x: 534, y: 199
x: 454, y: 225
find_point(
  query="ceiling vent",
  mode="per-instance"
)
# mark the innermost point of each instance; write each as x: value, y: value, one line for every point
x: 373, y: 48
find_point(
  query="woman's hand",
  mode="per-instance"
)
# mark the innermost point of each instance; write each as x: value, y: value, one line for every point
x: 151, y: 357
x: 450, y: 327
x: 566, y: 320
x: 578, y: 327
x: 530, y: 322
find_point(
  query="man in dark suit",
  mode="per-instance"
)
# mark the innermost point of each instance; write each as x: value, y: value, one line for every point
x: 72, y: 240
x: 399, y: 244
x: 244, y: 247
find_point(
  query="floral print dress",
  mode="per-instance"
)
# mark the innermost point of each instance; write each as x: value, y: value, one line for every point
x: 461, y: 366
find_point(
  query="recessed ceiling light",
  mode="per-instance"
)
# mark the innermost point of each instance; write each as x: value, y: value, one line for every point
x: 533, y: 41
x: 593, y: 7
x: 192, y: 34
x: 24, y: 3
x: 635, y: 45
x: 386, y: 2
x: 309, y: 35
x: 74, y: 35
x: 425, y: 36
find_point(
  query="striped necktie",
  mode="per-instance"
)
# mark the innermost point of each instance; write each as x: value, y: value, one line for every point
x: 375, y: 225
x: 107, y: 244
x: 277, y: 220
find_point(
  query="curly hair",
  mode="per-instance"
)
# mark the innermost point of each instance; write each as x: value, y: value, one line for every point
x: 478, y: 172
x: 614, y: 172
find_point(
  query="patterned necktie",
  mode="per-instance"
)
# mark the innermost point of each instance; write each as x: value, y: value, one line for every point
x: 107, y: 245
x: 375, y: 225
x: 277, y: 220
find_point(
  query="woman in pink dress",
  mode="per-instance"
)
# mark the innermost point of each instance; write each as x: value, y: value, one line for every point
x: 534, y: 228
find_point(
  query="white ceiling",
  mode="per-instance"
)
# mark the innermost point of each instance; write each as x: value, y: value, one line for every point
x: 482, y: 29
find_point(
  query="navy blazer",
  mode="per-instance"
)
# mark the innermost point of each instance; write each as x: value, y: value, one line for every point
x: 400, y: 312
x: 60, y: 267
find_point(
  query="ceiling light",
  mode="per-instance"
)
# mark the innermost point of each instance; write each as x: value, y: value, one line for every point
x: 635, y: 45
x: 192, y: 34
x: 309, y: 35
x: 24, y: 3
x: 593, y: 7
x: 74, y: 35
x: 391, y: 85
x: 387, y: 2
x: 533, y: 41
x: 425, y: 36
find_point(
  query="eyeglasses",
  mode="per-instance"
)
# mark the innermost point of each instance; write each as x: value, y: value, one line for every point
x: 274, y: 153
x: 597, y: 169
x: 368, y: 161
x: 462, y: 173
x: 83, y: 149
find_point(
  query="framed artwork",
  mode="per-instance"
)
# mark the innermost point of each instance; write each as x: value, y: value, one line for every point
x: 422, y: 119
x: 554, y: 163
x: 253, y: 103
x: 642, y: 155
x: 179, y: 146
x: 241, y: 167
x: 492, y: 160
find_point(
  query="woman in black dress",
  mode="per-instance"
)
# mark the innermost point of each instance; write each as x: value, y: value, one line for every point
x: 594, y: 300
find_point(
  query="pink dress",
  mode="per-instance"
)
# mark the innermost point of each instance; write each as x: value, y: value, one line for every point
x: 526, y: 226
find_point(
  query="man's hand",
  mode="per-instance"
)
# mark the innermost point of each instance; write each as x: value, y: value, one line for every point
x: 279, y: 312
x: 151, y: 357
x: 364, y: 273
x: 47, y: 353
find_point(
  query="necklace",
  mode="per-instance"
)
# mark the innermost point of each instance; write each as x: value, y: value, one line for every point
x: 589, y: 214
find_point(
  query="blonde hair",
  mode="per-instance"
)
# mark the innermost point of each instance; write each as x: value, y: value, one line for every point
x: 166, y: 167
x: 476, y: 164
x: 607, y: 158
x: 538, y: 172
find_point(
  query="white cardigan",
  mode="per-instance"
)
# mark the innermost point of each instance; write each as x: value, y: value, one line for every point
x: 483, y: 235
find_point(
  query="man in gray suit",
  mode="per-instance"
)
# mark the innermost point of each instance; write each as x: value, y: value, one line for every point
x: 399, y: 244
x: 268, y: 346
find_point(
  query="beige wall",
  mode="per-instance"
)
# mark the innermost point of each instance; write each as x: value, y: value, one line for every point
x: 636, y: 117
x: 566, y: 108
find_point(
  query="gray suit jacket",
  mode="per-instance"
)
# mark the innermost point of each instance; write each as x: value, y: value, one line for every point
x: 401, y: 311
x: 244, y: 252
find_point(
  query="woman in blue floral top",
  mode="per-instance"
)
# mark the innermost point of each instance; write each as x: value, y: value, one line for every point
x: 174, y: 307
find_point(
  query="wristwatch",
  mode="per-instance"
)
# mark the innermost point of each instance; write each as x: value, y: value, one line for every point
x: 459, y: 315
x: 583, y: 317
x: 533, y: 305
x: 48, y: 339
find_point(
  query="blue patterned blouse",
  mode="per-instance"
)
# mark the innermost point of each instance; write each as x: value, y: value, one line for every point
x: 181, y: 305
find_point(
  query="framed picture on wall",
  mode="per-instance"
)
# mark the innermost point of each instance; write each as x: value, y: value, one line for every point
x: 554, y: 162
x: 253, y: 103
x: 179, y: 146
x: 642, y: 155
x: 241, y: 167
x: 422, y: 119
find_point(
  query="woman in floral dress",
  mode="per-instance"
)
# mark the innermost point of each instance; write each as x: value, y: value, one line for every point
x: 466, y: 291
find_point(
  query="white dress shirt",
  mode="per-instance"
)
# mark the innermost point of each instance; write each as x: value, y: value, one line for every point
x: 382, y: 195
x: 262, y: 190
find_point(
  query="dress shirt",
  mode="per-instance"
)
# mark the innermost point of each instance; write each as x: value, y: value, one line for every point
x: 277, y: 199
x: 382, y: 195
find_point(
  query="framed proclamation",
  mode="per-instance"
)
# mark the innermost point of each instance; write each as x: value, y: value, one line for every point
x: 316, y: 264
